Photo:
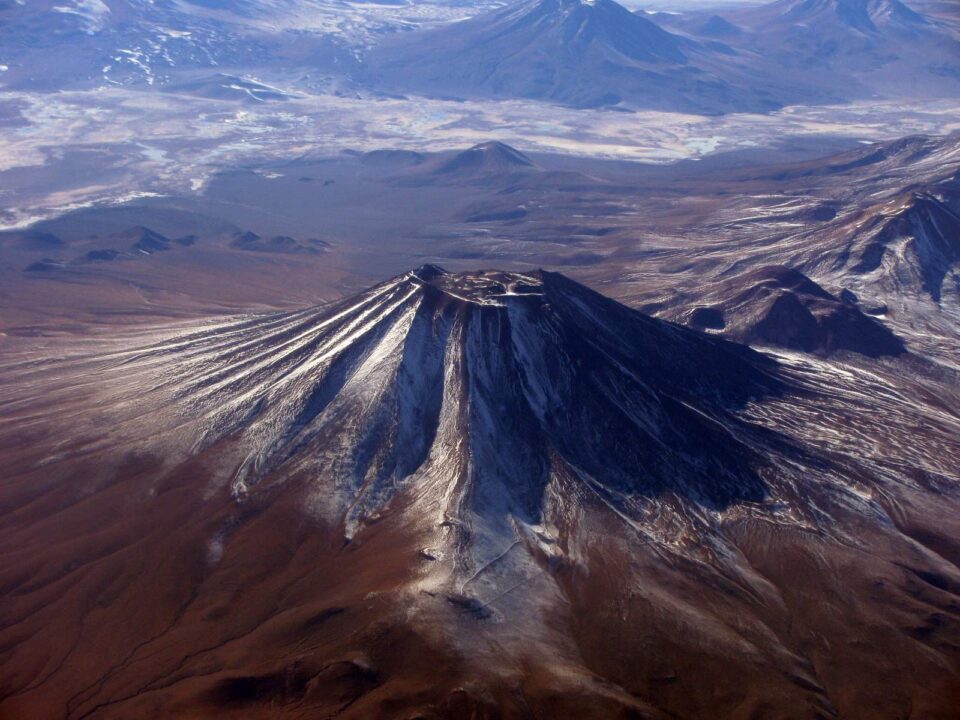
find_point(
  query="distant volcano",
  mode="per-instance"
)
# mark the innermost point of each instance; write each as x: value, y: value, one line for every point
x: 861, y: 48
x: 578, y: 53
x: 486, y: 158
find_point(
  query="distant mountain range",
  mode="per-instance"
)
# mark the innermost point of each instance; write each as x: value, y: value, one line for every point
x: 597, y: 53
x: 854, y: 48
x: 53, y: 44
x: 580, y: 53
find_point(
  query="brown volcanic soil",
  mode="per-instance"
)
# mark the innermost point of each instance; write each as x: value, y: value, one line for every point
x: 828, y: 637
x: 114, y: 608
x: 141, y: 615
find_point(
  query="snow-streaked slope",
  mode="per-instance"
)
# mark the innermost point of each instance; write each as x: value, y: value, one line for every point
x: 912, y: 244
x: 903, y: 240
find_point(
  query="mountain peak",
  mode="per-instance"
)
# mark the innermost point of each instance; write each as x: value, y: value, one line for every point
x: 579, y: 53
x: 500, y: 149
x: 486, y: 158
x: 602, y: 24
x: 473, y: 390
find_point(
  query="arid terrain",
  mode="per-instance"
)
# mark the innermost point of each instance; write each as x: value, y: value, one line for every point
x: 576, y: 510
x: 475, y: 360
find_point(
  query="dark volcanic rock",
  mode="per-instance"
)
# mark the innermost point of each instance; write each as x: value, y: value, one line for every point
x: 707, y: 318
x: 281, y: 244
x: 778, y: 306
x: 144, y: 240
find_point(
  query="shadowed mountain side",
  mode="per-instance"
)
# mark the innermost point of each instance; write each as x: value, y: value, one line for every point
x: 917, y: 245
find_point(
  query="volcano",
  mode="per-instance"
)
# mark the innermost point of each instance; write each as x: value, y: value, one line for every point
x: 573, y: 52
x: 492, y: 384
x: 575, y: 509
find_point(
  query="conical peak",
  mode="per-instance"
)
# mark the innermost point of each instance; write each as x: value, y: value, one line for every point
x: 480, y: 388
x: 861, y: 14
x: 494, y: 147
x: 487, y: 157
x: 926, y: 200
